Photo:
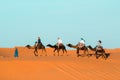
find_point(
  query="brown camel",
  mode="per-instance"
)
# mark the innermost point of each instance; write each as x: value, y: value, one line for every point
x: 98, y: 52
x: 62, y: 47
x: 84, y: 48
x: 39, y: 47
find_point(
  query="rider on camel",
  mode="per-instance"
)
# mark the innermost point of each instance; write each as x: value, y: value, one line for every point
x: 99, y: 45
x: 81, y: 43
x: 39, y: 41
x: 59, y: 42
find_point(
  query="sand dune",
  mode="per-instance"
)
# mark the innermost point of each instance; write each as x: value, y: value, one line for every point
x: 29, y: 67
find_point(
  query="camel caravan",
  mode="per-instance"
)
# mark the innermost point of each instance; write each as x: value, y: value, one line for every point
x: 98, y: 50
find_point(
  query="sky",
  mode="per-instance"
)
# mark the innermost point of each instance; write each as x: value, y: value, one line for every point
x: 22, y: 21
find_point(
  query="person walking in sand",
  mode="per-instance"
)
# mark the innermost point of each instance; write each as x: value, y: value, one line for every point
x: 16, y: 52
x: 36, y: 51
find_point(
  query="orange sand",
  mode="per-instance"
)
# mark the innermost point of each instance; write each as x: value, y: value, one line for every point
x: 29, y: 67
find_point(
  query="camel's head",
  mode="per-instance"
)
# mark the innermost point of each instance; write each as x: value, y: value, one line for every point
x: 49, y: 45
x: 52, y: 46
x: 69, y: 45
x: 28, y: 46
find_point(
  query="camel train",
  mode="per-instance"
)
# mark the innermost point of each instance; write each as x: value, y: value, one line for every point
x: 98, y: 51
x: 85, y: 49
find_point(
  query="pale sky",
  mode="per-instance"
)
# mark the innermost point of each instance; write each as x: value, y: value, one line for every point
x: 22, y: 21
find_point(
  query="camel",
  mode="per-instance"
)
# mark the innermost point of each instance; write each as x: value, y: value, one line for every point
x: 39, y: 46
x: 62, y: 47
x: 85, y: 49
x: 98, y: 52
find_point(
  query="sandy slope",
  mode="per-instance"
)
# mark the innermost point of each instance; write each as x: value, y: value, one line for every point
x: 29, y: 67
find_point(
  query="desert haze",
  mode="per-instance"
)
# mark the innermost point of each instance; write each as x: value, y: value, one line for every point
x: 30, y: 67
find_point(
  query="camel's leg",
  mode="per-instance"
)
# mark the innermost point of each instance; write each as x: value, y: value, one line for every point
x: 58, y: 51
x: 84, y: 53
x: 35, y: 53
x: 41, y: 52
x: 63, y: 52
x: 54, y: 51
x: 66, y: 52
x: 104, y: 55
x: 87, y: 53
x: 78, y: 52
x: 97, y: 55
x: 95, y: 52
x: 45, y: 52
x: 42, y: 48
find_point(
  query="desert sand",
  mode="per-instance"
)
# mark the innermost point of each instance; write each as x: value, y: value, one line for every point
x: 30, y: 67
